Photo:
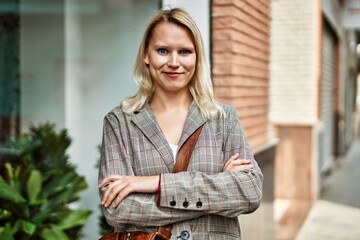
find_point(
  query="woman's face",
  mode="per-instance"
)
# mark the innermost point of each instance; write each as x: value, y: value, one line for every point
x: 171, y: 58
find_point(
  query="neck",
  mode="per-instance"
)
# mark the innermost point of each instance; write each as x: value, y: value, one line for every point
x: 164, y: 102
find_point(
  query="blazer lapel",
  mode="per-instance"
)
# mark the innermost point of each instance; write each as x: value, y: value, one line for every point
x: 193, y: 122
x: 146, y: 122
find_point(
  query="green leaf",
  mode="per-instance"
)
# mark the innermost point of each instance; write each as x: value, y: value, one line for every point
x: 4, y: 214
x: 38, y: 184
x: 41, y: 216
x: 53, y: 233
x: 58, y: 184
x: 34, y: 185
x: 17, y: 172
x: 38, y: 202
x: 74, y: 218
x: 5, y: 232
x: 10, y: 173
x: 9, y: 193
x: 28, y: 227
x: 67, y: 191
x: 16, y: 227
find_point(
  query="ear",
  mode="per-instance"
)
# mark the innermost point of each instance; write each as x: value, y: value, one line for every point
x: 146, y: 59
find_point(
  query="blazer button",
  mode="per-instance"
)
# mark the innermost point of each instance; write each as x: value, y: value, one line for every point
x: 199, y: 204
x: 173, y: 203
x: 185, y: 203
x: 184, y: 235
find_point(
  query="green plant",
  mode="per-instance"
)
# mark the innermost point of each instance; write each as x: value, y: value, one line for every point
x: 37, y: 184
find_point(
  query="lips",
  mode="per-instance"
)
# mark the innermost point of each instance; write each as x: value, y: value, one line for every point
x: 172, y: 74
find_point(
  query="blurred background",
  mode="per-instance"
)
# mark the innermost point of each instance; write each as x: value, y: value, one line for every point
x: 290, y: 68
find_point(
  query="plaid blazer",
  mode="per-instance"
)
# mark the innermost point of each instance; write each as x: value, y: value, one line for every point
x: 202, y: 203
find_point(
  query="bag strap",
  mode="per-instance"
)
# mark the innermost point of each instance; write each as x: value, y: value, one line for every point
x: 181, y: 165
x: 184, y: 154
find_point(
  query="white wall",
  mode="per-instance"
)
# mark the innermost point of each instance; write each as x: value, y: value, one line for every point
x: 293, y: 62
x: 42, y: 54
x: 76, y: 65
x: 101, y: 50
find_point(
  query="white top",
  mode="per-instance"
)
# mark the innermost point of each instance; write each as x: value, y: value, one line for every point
x: 174, y: 149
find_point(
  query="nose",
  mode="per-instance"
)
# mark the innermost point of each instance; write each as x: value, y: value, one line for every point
x: 174, y: 61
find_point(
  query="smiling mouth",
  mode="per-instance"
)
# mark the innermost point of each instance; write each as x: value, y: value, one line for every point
x: 172, y: 74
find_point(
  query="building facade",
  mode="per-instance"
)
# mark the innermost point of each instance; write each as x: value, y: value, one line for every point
x: 312, y: 82
x: 240, y: 44
x: 288, y: 67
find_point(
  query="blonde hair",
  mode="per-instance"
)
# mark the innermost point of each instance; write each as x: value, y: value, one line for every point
x: 200, y: 85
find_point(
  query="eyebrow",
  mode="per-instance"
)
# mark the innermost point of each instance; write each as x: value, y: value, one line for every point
x: 167, y: 46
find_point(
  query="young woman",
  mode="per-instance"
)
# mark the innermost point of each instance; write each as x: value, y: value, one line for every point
x: 141, y: 138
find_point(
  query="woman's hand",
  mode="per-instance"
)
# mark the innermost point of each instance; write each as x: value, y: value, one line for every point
x: 118, y: 187
x: 234, y: 164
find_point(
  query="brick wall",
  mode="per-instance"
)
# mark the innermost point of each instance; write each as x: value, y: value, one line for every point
x: 240, y: 59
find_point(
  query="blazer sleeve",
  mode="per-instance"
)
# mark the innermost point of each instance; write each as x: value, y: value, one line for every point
x: 137, y: 209
x: 227, y: 194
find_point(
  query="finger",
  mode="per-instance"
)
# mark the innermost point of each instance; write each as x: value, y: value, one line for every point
x: 120, y: 197
x: 118, y: 191
x: 233, y: 165
x: 109, y: 179
x: 229, y: 166
x: 112, y: 192
x: 232, y: 158
x: 241, y: 162
x: 235, y: 162
x: 106, y: 194
x: 241, y: 168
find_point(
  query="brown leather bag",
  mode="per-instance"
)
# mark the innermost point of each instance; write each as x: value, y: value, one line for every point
x: 162, y: 233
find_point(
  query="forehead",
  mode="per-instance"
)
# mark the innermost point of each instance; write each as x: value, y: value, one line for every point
x: 171, y: 33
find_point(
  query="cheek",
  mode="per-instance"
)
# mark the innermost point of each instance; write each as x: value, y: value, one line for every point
x: 190, y: 64
x: 157, y: 62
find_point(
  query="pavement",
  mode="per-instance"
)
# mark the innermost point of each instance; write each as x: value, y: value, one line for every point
x: 336, y: 215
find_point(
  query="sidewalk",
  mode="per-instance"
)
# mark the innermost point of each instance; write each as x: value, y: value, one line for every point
x: 336, y: 216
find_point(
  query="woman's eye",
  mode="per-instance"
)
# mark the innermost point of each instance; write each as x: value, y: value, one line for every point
x: 184, y: 52
x: 162, y: 51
